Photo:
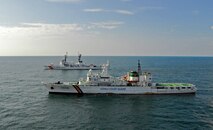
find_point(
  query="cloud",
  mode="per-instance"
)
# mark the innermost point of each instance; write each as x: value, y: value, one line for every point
x: 106, y: 25
x: 55, y: 30
x: 98, y: 10
x: 94, y: 10
x: 67, y: 1
x: 45, y: 39
x: 211, y: 27
x: 126, y: 12
x: 69, y: 27
x: 39, y: 29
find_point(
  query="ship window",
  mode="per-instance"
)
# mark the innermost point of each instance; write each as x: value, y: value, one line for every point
x: 52, y: 88
x: 188, y: 87
x: 178, y: 88
x: 172, y: 88
x: 160, y: 87
x: 183, y: 87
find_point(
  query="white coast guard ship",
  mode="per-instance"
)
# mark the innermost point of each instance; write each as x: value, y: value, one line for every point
x: 65, y: 65
x: 134, y: 82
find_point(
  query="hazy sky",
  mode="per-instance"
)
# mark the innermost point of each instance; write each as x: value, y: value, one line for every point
x: 106, y: 27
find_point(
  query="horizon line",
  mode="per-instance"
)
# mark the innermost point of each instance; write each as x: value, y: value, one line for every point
x: 110, y: 55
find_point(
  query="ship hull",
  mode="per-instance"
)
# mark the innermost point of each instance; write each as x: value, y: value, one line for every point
x: 71, y: 68
x: 67, y: 88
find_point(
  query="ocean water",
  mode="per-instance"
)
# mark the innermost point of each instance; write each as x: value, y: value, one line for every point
x: 25, y: 103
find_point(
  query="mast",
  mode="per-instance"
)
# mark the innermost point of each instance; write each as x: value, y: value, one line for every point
x: 139, y: 68
x: 65, y: 57
x: 79, y: 58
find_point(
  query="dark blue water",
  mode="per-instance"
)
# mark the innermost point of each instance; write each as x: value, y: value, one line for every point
x: 26, y: 104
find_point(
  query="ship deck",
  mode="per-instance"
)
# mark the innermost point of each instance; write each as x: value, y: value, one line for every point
x: 175, y: 84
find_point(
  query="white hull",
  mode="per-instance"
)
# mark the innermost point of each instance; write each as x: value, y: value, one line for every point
x: 71, y: 68
x: 138, y: 90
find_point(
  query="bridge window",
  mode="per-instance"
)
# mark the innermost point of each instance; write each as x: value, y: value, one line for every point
x: 160, y: 87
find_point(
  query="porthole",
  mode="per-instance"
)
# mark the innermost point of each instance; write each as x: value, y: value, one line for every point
x: 51, y: 88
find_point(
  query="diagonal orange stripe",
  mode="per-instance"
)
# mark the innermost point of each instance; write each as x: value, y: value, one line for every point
x: 79, y: 88
x: 76, y: 88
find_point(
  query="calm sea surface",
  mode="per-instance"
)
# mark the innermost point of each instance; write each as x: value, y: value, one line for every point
x: 25, y: 103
